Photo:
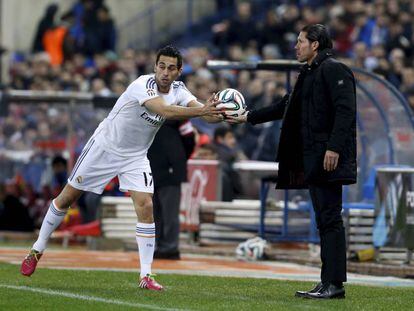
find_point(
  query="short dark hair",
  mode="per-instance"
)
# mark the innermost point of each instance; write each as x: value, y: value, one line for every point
x: 221, y: 131
x: 59, y: 160
x: 318, y: 32
x: 170, y: 51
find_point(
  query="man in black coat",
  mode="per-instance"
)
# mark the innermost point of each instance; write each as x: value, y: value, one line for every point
x: 317, y: 147
x: 168, y: 156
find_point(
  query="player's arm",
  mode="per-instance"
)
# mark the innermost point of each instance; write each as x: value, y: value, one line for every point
x: 174, y: 112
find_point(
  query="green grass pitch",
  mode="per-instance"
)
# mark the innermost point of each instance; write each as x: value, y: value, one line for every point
x: 50, y: 289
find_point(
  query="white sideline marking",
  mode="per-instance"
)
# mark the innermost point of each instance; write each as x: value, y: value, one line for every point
x: 353, y: 279
x: 83, y: 297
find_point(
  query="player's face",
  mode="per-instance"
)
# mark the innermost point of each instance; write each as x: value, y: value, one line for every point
x: 166, y: 71
x: 305, y: 50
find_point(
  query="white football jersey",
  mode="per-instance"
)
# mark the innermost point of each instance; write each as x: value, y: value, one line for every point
x: 130, y: 127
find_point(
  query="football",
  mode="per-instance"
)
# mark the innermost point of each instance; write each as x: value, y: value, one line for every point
x: 232, y: 101
x: 252, y: 249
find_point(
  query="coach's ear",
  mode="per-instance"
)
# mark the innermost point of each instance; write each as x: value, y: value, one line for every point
x: 315, y: 45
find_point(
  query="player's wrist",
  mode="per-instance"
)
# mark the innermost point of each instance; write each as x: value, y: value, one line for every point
x: 202, y: 111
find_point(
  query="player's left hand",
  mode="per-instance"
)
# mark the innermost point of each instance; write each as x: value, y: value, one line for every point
x: 330, y: 162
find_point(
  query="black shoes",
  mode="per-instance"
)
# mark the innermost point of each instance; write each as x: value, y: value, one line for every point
x: 323, y: 291
x: 301, y: 293
x: 167, y: 255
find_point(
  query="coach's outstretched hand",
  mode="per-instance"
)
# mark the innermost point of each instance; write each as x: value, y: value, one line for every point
x: 238, y: 119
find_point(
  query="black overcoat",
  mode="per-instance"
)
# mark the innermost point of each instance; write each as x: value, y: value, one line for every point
x: 319, y: 115
x: 168, y: 154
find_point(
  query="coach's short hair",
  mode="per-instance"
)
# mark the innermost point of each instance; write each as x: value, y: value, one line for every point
x: 318, y: 32
x: 170, y: 51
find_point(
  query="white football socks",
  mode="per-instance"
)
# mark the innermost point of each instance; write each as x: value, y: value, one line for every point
x: 145, y: 235
x: 51, y: 221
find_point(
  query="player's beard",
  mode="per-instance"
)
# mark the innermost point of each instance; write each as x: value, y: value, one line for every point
x: 165, y: 82
x: 163, y: 85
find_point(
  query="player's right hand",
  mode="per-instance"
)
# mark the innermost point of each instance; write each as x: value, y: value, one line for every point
x: 210, y: 107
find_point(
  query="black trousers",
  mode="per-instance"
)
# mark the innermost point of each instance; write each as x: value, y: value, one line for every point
x: 167, y: 219
x: 327, y: 204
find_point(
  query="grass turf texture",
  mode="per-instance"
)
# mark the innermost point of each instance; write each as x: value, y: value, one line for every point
x: 77, y: 290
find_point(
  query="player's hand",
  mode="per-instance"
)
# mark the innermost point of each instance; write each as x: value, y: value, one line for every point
x: 330, y: 162
x: 214, y: 99
x: 239, y: 119
x: 210, y: 108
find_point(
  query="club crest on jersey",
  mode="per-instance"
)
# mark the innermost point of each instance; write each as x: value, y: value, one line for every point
x: 79, y: 179
x: 151, y: 92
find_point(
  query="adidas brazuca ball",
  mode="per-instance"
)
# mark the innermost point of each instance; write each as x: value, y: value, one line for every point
x: 232, y: 101
x: 252, y: 249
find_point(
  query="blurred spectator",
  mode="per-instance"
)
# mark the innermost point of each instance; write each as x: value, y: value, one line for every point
x: 270, y: 28
x: 99, y: 87
x: 168, y: 156
x: 60, y: 174
x: 407, y: 85
x: 240, y: 30
x: 89, y: 204
x: 119, y: 82
x: 14, y: 216
x: 46, y: 23
x: 200, y: 140
x: 360, y: 54
x: 342, y: 29
x: 53, y: 177
x: 379, y: 33
x: 71, y: 43
x: 410, y: 97
x: 224, y: 5
x: 205, y: 152
x: 226, y: 145
x: 53, y: 43
x: 106, y: 30
x: 397, y: 38
x: 228, y: 153
x: 98, y: 28
x: 90, y: 28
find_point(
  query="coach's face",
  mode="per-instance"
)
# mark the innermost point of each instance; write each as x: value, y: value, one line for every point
x: 166, y: 71
x: 306, y: 50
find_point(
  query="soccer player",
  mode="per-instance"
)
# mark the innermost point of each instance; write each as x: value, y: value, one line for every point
x: 119, y: 147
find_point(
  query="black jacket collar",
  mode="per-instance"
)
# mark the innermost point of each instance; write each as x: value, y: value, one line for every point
x: 322, y: 55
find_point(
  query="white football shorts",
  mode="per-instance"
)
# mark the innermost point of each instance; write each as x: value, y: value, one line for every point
x: 96, y: 167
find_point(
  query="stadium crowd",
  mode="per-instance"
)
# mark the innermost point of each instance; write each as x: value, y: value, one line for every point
x: 375, y: 35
